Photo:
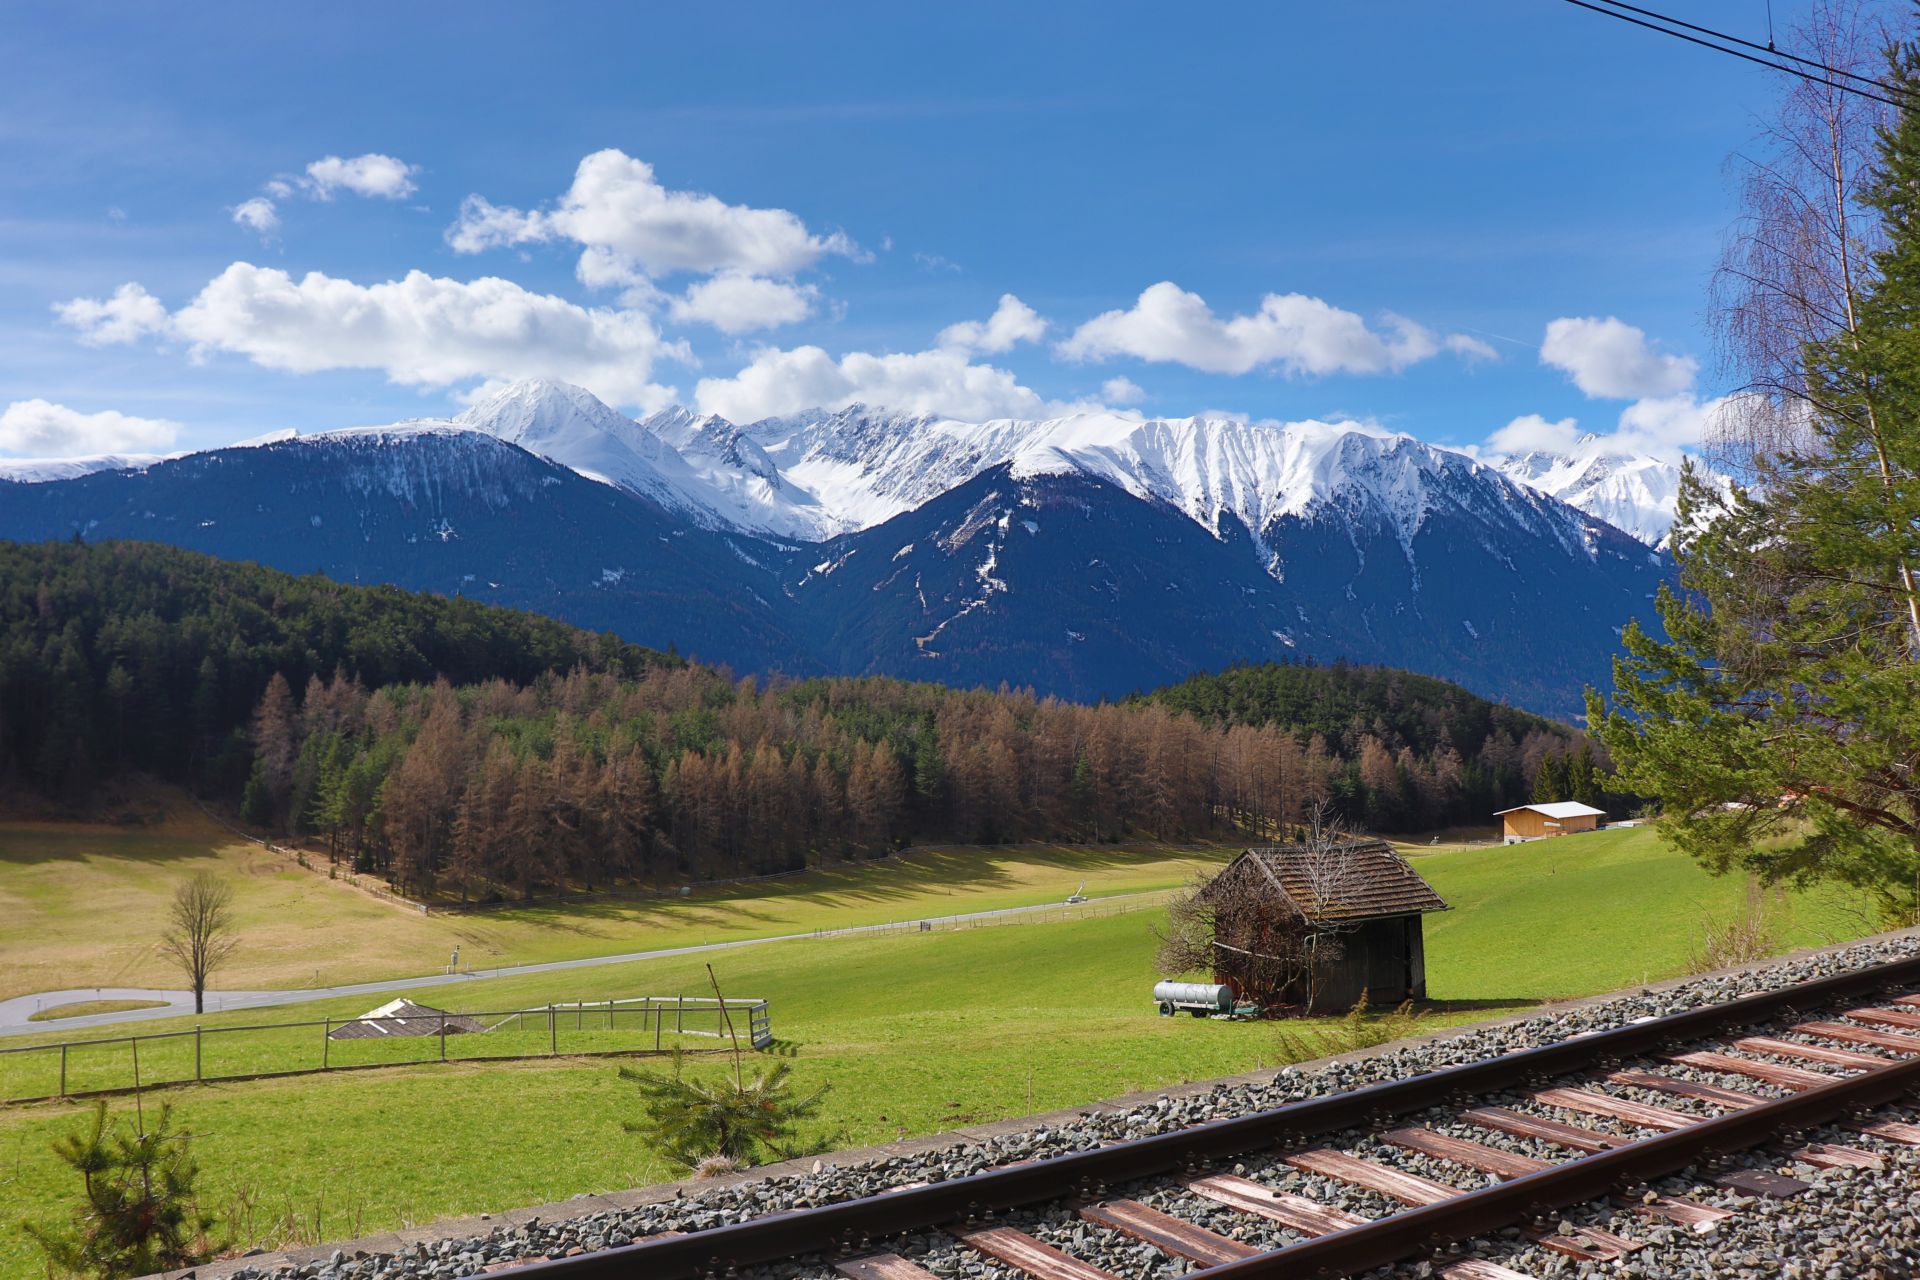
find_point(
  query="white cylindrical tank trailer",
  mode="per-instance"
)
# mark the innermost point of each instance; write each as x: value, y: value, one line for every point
x: 1201, y: 999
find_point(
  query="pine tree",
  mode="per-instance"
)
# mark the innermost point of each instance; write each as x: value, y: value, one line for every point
x: 1779, y: 717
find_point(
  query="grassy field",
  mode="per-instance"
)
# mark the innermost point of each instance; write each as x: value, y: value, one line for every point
x: 916, y: 1033
x: 86, y: 1008
x: 85, y: 907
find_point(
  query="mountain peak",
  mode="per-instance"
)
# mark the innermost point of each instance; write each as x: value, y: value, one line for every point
x: 536, y: 409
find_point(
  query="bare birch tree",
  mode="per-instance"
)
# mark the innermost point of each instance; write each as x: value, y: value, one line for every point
x: 1797, y: 262
x: 199, y: 935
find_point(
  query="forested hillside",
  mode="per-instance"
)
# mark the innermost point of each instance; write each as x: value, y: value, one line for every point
x: 466, y: 749
x: 139, y: 656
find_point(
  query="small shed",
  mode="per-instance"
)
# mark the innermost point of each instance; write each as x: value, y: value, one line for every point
x: 398, y: 1018
x: 1315, y: 928
x: 1552, y: 818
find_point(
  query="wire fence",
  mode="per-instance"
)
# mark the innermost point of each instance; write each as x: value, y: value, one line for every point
x: 638, y: 1025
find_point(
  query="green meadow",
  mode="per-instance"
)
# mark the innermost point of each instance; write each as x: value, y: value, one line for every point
x: 915, y: 1032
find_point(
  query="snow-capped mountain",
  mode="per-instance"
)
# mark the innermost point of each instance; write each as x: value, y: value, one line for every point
x: 40, y: 470
x: 1087, y: 555
x: 1635, y: 492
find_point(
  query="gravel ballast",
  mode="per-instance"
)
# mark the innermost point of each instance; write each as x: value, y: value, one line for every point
x: 1856, y: 1223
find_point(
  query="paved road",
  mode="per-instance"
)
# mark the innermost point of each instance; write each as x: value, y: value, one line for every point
x: 15, y: 1012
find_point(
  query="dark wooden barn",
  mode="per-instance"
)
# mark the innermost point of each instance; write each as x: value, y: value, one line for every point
x: 1313, y: 929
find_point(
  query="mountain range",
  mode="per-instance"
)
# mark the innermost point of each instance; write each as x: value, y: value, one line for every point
x: 1086, y: 556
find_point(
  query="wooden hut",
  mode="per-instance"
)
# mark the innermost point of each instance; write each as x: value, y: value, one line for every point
x: 1551, y: 818
x: 1314, y: 929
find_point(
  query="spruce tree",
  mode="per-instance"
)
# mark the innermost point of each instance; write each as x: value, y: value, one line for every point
x: 1779, y: 718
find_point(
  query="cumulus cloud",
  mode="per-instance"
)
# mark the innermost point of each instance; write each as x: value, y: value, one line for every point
x: 1613, y: 360
x: 1532, y: 433
x: 942, y: 382
x: 420, y: 330
x: 1122, y: 390
x: 1012, y: 321
x: 1292, y: 332
x: 735, y: 303
x: 129, y: 315
x: 372, y: 175
x: 618, y: 210
x: 1663, y: 426
x: 258, y: 215
x: 42, y: 429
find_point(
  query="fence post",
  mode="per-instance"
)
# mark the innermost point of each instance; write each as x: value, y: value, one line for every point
x: 659, y: 1022
x: 326, y: 1042
x: 609, y: 1013
x: 196, y: 1053
x: 553, y: 1036
x: 443, y: 1037
x: 679, y: 1013
x: 63, y: 1070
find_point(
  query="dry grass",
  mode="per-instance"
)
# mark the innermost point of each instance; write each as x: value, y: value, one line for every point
x: 86, y: 1007
x: 85, y: 907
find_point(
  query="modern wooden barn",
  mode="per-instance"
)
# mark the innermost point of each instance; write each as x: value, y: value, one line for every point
x: 1555, y: 818
x: 1314, y: 929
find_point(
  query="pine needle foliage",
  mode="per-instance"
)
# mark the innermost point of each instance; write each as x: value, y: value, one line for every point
x: 1778, y: 718
x: 137, y: 1213
x: 738, y: 1117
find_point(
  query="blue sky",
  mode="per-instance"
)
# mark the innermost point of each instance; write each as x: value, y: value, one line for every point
x: 796, y: 202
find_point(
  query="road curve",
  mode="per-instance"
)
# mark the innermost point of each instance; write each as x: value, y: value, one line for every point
x: 14, y: 1013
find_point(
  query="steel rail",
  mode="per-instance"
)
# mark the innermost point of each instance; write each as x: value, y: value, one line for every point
x: 1414, y: 1233
x: 851, y: 1224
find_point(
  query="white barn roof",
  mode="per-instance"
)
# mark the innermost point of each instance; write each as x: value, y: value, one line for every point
x: 1557, y: 809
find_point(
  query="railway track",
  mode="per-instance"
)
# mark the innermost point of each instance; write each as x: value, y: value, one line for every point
x: 1450, y: 1156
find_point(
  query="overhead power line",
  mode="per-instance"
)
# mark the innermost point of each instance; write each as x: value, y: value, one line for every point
x: 1768, y: 47
x: 1833, y: 79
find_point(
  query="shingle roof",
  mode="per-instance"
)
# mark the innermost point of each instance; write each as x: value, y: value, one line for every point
x: 1558, y: 809
x: 403, y: 1018
x: 1358, y: 880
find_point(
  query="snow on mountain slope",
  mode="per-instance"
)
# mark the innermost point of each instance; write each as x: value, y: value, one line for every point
x: 41, y: 470
x: 1636, y: 493
x: 866, y: 467
x: 702, y: 468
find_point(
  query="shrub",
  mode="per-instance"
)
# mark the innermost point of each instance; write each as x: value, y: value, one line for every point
x: 137, y: 1213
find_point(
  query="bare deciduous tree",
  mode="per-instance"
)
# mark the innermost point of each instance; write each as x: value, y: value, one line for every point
x: 199, y: 935
x: 1797, y: 263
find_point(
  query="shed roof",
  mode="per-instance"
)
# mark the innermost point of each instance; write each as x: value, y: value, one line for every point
x: 404, y: 1018
x: 1557, y: 809
x: 1367, y: 881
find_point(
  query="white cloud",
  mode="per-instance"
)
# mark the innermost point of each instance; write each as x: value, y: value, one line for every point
x: 1612, y: 359
x: 937, y: 382
x: 420, y: 330
x: 372, y: 175
x: 41, y: 429
x: 1292, y: 332
x: 618, y: 210
x: 1470, y: 349
x: 1663, y: 426
x: 735, y: 303
x: 1122, y: 391
x: 257, y: 215
x: 129, y: 315
x: 1011, y: 322
x: 1531, y: 432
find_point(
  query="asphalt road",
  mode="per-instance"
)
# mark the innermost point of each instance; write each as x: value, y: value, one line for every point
x: 14, y: 1013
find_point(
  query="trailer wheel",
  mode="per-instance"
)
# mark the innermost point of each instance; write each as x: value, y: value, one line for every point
x: 1166, y: 1009
x: 1198, y: 1013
